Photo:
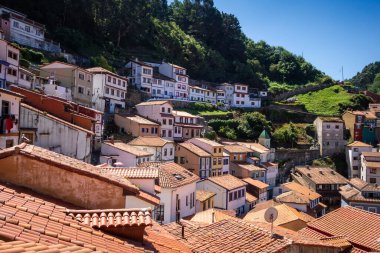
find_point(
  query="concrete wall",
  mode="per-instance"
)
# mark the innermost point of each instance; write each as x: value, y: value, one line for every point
x: 301, y: 90
x: 298, y: 156
x: 80, y: 190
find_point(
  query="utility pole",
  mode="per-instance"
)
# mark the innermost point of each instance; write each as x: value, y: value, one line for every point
x: 342, y: 74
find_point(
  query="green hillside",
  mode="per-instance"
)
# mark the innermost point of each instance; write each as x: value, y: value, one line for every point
x: 326, y: 101
x: 194, y: 34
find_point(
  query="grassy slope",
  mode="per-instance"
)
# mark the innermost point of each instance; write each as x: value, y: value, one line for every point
x: 324, y: 102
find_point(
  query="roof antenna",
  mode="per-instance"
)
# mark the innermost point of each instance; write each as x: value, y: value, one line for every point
x: 270, y: 216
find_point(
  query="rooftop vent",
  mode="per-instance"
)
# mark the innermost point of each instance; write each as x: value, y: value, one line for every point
x: 333, y: 172
x: 308, y: 167
x: 308, y: 174
x: 178, y: 176
x: 321, y: 172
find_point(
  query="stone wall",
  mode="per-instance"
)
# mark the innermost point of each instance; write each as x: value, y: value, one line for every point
x: 301, y: 90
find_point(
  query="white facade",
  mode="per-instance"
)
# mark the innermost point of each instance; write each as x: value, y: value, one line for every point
x: 222, y: 198
x: 109, y: 90
x: 17, y: 27
x: 221, y: 96
x: 229, y: 92
x: 9, y: 111
x: 52, y: 133
x: 196, y: 93
x: 10, y: 57
x: 25, y: 79
x: 55, y: 90
x: 169, y: 89
x: 370, y: 169
x: 210, y: 96
x: 226, y: 164
x: 181, y: 88
x: 111, y: 155
x: 141, y: 76
x: 171, y: 197
x: 353, y: 159
x: 161, y: 113
x: 330, y: 133
x: 160, y: 154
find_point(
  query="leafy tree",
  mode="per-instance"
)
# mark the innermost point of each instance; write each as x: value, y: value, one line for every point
x: 375, y: 86
x: 367, y: 75
x: 101, y: 61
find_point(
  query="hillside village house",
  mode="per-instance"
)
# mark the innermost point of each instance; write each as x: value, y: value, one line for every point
x: 109, y: 90
x: 137, y: 126
x: 141, y: 76
x: 118, y: 154
x: 186, y: 126
x: 353, y: 159
x: 193, y: 158
x: 257, y: 189
x: 47, y: 131
x: 9, y: 118
x: 160, y: 112
x: 237, y: 153
x: 362, y: 195
x: 362, y: 126
x: 9, y: 64
x: 216, y: 151
x: 301, y: 198
x: 26, y: 78
x: 228, y: 92
x: 177, y: 73
x: 204, y: 200
x: 18, y: 28
x: 244, y: 170
x: 370, y: 167
x: 161, y: 150
x: 77, y: 79
x: 221, y: 96
x: 242, y: 97
x: 322, y: 180
x: 230, y: 192
x: 197, y: 93
x: 330, y: 133
x: 210, y: 96
x: 51, y: 88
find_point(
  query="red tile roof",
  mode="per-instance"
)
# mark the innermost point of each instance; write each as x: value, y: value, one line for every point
x: 31, y: 217
x: 149, y: 141
x: 358, y: 144
x: 202, y: 195
x: 321, y: 175
x: 255, y: 183
x: 22, y: 246
x: 172, y: 175
x: 228, y: 182
x: 358, y: 226
x: 194, y: 149
x: 133, y: 172
x: 127, y: 148
x: 112, y: 217
x: 293, y: 186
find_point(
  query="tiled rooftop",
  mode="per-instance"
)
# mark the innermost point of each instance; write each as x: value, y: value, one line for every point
x: 292, y: 197
x: 358, y: 226
x: 22, y: 246
x: 255, y: 183
x: 142, y: 120
x: 228, y: 182
x: 358, y: 144
x: 286, y: 214
x: 293, y: 186
x: 237, y: 149
x: 250, y: 198
x: 34, y: 218
x: 246, y: 166
x: 172, y: 175
x: 128, y: 148
x: 155, y: 102
x: 112, y: 218
x: 322, y: 175
x: 208, y: 142
x: 254, y: 146
x: 133, y: 172
x: 149, y: 141
x: 183, y: 114
x: 212, y: 215
x: 371, y: 154
x: 194, y: 148
x: 202, y: 195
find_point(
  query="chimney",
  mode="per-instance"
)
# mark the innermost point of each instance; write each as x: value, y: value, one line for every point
x: 112, y: 140
x: 308, y: 167
x: 183, y: 231
x: 213, y: 217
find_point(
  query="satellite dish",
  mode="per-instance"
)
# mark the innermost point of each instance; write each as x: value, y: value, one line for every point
x: 271, y: 214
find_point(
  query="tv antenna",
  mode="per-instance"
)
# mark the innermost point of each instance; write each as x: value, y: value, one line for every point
x: 270, y: 216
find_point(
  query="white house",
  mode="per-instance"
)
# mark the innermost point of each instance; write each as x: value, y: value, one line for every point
x: 161, y: 150
x: 50, y: 132
x: 26, y: 78
x: 353, y: 152
x: 177, y: 196
x: 52, y: 89
x: 9, y: 64
x: 186, y: 126
x: 221, y: 96
x: 178, y: 73
x: 370, y: 167
x: 160, y: 112
x: 141, y: 75
x: 109, y: 90
x: 210, y: 96
x: 119, y: 154
x: 230, y: 192
x: 18, y: 28
x: 226, y: 164
x: 162, y: 86
x: 9, y: 118
x: 229, y: 92
x: 196, y: 93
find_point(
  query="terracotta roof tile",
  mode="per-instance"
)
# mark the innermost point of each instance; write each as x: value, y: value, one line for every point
x: 194, y: 149
x: 358, y: 144
x: 149, y: 141
x: 183, y: 114
x: 246, y: 166
x: 254, y: 146
x: 133, y: 172
x: 68, y: 163
x: 202, y: 195
x: 141, y: 120
x: 154, y: 102
x: 208, y: 142
x: 24, y: 246
x: 322, y: 175
x: 237, y: 149
x: 292, y: 197
x: 358, y: 226
x: 255, y: 183
x: 112, y: 217
x: 128, y: 148
x: 293, y: 186
x: 212, y: 215
x: 228, y: 181
x: 250, y: 198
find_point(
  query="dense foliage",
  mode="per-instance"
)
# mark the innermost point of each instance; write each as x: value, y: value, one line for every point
x: 367, y: 76
x: 289, y: 135
x: 192, y: 33
x: 246, y: 126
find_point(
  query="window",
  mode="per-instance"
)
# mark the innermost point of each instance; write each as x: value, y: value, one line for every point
x: 118, y: 93
x: 162, y: 109
x: 214, y: 161
x: 169, y: 110
x: 356, y: 149
x: 230, y: 196
x: 112, y: 92
x: 328, y: 126
x: 372, y: 171
x: 171, y: 151
x: 225, y: 161
x: 27, y: 28
x: 88, y: 92
x: 15, y: 24
x: 372, y: 180
x: 109, y: 79
x: 219, y: 161
x: 123, y: 83
x: 81, y: 76
x: 235, y: 195
x: 163, y: 133
x: 12, y: 72
x: 170, y: 133
x: 163, y: 121
x: 182, y: 160
x: 119, y: 82
x: 165, y: 152
x: 107, y: 90
x: 170, y: 122
x: 187, y: 200
x: 12, y: 55
x: 336, y: 126
x: 372, y: 209
x: 147, y: 71
x: 214, y: 150
x: 8, y: 143
x: 80, y: 90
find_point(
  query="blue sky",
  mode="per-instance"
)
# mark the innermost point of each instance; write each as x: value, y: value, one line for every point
x: 329, y: 33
